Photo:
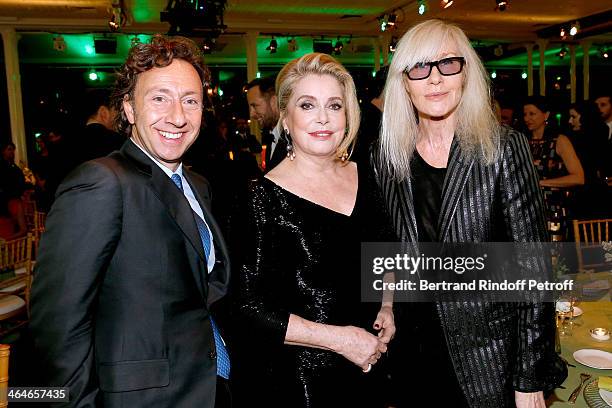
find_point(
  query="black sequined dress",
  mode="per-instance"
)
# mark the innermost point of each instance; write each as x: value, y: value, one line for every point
x: 305, y: 260
x: 550, y: 165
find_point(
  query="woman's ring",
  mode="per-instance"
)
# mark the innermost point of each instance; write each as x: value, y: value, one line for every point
x: 367, y: 370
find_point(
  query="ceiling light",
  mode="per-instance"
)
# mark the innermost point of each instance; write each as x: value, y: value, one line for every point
x: 207, y: 45
x: 563, y: 52
x: 118, y: 17
x: 338, y: 47
x: 502, y: 5
x: 113, y: 25
x: 383, y: 24
x: 494, y: 74
x: 604, y: 53
x: 423, y: 6
x: 391, y: 19
x: 446, y: 3
x: 524, y: 75
x: 273, y: 46
x: 574, y: 28
x: 563, y: 33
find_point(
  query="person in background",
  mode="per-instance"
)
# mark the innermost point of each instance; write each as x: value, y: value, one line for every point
x: 12, y: 188
x: 371, y: 115
x: 60, y: 158
x: 604, y: 105
x: 98, y: 137
x: 553, y: 153
x: 507, y: 115
x: 588, y: 134
x: 557, y: 164
x: 450, y: 173
x: 132, y: 261
x: 263, y: 108
x: 242, y: 140
x: 12, y: 217
x: 299, y: 284
x: 12, y: 180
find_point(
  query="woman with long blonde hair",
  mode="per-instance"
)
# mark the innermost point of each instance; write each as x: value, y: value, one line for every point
x: 450, y: 173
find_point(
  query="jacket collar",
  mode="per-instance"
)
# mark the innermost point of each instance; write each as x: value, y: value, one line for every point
x: 457, y: 172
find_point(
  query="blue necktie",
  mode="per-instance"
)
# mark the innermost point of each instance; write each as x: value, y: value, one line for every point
x: 223, y: 361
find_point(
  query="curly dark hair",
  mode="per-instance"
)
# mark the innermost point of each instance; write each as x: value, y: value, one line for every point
x: 159, y: 53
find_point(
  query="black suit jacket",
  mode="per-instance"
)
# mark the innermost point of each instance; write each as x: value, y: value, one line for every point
x: 95, y: 141
x: 121, y: 293
x: 280, y: 152
x: 495, y: 347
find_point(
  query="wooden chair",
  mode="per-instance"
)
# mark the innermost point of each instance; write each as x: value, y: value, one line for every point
x: 39, y: 227
x: 15, y: 283
x: 5, y: 351
x: 589, y: 235
x: 29, y: 209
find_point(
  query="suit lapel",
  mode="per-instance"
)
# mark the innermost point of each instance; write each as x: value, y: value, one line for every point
x: 218, y: 279
x: 457, y: 174
x: 398, y: 196
x: 406, y: 210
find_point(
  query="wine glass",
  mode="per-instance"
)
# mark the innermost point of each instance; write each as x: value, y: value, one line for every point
x: 564, y: 307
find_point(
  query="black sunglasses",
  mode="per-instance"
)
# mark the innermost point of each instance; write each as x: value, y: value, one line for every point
x: 446, y: 66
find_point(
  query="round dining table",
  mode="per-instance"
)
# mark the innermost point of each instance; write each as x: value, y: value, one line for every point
x: 596, y: 312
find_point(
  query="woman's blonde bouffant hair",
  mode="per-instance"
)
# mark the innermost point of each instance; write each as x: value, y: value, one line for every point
x: 477, y: 128
x: 321, y: 64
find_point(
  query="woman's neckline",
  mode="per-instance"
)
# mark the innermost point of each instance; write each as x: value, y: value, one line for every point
x: 419, y: 157
x: 294, y: 194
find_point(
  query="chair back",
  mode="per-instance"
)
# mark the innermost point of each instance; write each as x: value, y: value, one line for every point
x: 588, y: 236
x: 39, y: 227
x: 29, y: 210
x: 16, y: 267
x: 5, y: 351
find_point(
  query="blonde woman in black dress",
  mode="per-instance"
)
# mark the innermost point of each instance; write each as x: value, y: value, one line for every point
x: 300, y: 282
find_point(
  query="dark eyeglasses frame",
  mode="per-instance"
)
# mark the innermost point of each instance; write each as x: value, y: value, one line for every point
x: 432, y: 64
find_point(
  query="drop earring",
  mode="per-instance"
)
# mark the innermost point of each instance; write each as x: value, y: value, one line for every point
x: 290, y: 151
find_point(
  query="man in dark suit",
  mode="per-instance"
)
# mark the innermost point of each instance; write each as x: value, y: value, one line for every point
x: 132, y: 260
x: 97, y: 138
x: 263, y: 107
